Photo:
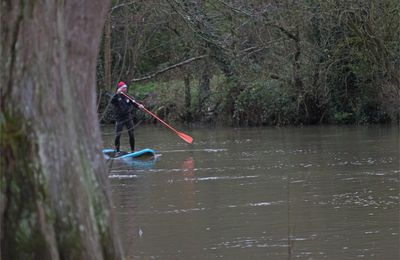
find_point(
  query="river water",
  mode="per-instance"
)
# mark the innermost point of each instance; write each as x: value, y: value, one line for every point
x: 260, y: 193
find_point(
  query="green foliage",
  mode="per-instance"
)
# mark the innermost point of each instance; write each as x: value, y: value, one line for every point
x: 140, y: 91
x: 159, y: 52
x: 265, y: 103
x: 363, y: 111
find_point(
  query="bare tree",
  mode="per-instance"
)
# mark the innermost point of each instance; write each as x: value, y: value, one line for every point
x: 54, y: 200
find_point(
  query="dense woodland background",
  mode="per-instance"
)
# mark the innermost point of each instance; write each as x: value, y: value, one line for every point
x: 253, y: 62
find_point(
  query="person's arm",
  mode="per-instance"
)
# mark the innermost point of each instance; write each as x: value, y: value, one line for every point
x: 114, y: 99
x: 136, y: 105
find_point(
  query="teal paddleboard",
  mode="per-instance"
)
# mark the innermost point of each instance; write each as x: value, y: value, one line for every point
x: 141, y: 154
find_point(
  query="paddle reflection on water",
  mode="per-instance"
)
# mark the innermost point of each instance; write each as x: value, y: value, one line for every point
x: 263, y: 193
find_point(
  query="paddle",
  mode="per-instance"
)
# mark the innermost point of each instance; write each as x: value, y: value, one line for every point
x: 185, y: 137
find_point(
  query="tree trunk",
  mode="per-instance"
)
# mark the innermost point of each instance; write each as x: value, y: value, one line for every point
x: 54, y: 200
x: 107, y: 54
x: 297, y: 78
x: 188, y: 98
x: 204, y: 83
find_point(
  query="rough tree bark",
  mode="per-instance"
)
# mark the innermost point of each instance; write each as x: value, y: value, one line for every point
x: 204, y: 85
x: 107, y: 53
x: 188, y: 97
x: 54, y: 198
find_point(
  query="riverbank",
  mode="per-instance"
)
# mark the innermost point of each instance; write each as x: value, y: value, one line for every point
x: 266, y: 103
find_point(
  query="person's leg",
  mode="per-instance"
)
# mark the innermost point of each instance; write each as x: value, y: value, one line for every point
x: 118, y: 130
x: 131, y: 133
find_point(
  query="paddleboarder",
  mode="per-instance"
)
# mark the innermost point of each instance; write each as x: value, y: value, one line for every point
x: 123, y: 112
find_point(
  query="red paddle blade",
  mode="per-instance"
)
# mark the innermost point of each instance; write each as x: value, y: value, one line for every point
x: 185, y: 137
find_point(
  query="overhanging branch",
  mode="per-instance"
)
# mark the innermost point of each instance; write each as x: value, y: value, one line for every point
x: 169, y: 68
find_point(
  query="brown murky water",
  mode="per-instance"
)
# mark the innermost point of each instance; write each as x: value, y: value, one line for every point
x: 261, y: 193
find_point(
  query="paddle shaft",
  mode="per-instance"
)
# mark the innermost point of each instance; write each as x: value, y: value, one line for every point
x: 184, y: 136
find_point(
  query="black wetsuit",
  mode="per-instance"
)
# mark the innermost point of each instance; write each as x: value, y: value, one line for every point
x: 123, y: 112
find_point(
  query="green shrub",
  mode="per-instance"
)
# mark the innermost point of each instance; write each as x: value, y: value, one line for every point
x: 265, y: 103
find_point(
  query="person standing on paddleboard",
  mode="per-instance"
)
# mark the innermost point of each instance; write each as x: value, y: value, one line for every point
x: 123, y: 113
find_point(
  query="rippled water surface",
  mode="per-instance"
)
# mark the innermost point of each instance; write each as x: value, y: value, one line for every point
x: 260, y: 193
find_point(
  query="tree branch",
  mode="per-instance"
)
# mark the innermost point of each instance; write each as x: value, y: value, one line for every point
x: 169, y: 68
x: 121, y: 5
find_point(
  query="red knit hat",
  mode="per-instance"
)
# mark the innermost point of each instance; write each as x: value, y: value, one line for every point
x: 121, y: 84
